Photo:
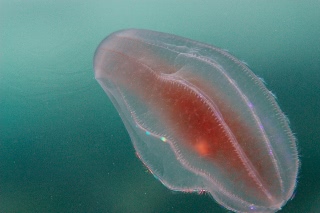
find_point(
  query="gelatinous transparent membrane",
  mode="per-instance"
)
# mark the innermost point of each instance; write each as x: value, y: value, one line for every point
x: 199, y: 119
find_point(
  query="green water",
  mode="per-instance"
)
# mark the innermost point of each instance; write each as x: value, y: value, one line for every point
x: 63, y: 147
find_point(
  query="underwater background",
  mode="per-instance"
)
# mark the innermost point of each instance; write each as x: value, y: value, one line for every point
x: 63, y: 146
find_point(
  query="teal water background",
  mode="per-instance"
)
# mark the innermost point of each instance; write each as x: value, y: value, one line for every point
x: 63, y: 147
